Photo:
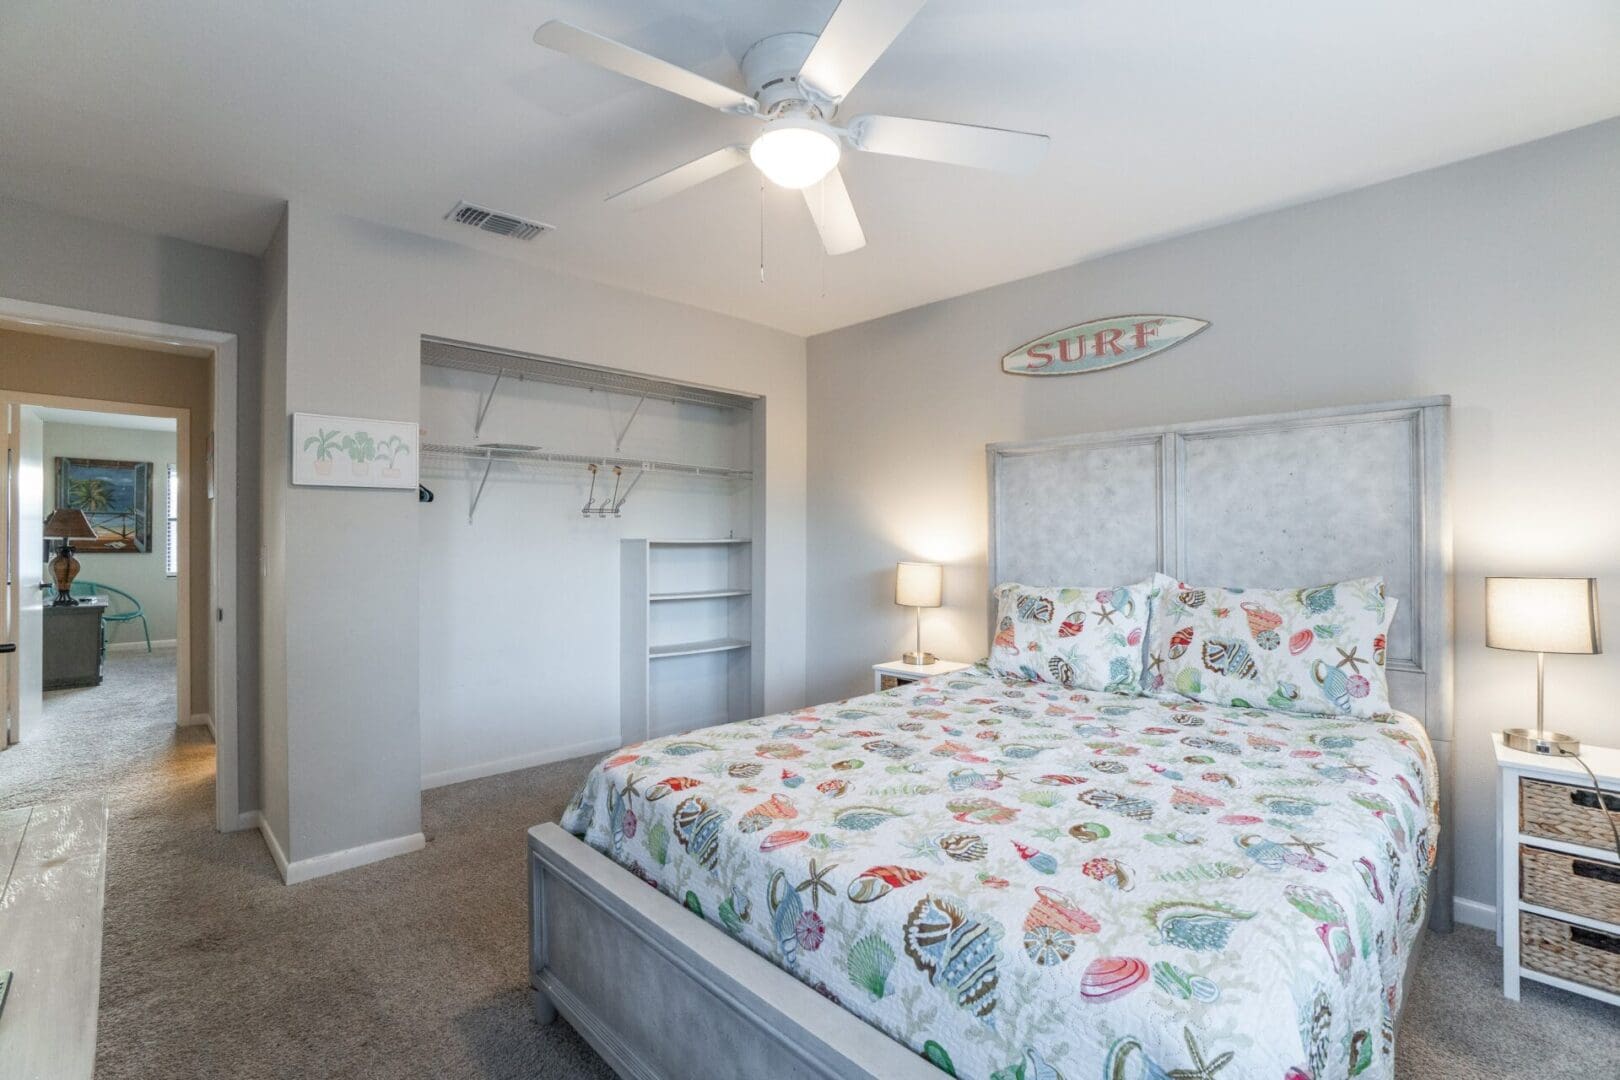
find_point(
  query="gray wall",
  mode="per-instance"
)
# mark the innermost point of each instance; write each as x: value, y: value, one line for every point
x: 53, y: 258
x: 1495, y: 281
x: 358, y: 299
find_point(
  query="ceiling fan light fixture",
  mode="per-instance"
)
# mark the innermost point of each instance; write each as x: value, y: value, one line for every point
x: 794, y: 152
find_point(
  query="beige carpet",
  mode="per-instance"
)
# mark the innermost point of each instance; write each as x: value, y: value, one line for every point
x: 414, y: 967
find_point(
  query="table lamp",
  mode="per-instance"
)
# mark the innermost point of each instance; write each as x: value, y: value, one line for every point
x: 1542, y: 615
x: 67, y: 526
x: 919, y: 585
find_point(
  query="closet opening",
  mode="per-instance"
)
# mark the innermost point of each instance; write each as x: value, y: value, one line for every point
x: 591, y: 558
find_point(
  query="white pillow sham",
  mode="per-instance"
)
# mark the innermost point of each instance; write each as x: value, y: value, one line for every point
x: 1083, y: 637
x: 1317, y: 650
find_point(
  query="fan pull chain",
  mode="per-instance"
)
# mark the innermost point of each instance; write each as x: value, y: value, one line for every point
x: 824, y: 256
x: 762, y: 230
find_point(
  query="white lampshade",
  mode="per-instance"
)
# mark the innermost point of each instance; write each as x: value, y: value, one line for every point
x: 1546, y: 615
x: 919, y: 584
x: 794, y: 152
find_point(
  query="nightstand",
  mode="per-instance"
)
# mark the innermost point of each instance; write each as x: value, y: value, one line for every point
x: 1558, y: 899
x: 893, y: 673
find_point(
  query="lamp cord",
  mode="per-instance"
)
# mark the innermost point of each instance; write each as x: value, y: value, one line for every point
x: 1598, y: 791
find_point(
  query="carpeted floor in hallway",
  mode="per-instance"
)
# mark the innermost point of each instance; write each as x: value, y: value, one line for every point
x: 414, y: 967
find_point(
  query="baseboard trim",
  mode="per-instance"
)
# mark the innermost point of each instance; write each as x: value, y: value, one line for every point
x: 200, y: 719
x: 272, y: 843
x: 445, y: 777
x: 337, y: 861
x: 1473, y: 913
x: 333, y: 862
x: 131, y: 646
x: 247, y: 819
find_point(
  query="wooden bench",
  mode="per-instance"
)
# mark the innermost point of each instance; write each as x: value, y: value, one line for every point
x: 53, y: 868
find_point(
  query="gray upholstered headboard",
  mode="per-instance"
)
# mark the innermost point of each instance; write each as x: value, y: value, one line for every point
x: 1267, y: 501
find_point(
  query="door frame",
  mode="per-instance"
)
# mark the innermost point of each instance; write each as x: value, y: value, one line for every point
x: 222, y: 630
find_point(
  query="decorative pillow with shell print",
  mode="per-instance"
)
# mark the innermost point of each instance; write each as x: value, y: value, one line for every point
x: 1087, y: 638
x: 1317, y: 650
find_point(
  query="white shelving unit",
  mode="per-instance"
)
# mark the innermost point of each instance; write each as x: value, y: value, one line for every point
x: 689, y: 635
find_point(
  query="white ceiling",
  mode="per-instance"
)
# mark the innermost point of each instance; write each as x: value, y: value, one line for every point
x: 82, y: 418
x: 196, y: 118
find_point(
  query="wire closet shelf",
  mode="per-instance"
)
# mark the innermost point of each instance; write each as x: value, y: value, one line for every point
x: 520, y: 455
x: 500, y: 364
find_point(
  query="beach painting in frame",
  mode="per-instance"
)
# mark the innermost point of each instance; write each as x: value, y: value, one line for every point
x: 116, y: 497
x: 350, y: 451
x: 1100, y: 344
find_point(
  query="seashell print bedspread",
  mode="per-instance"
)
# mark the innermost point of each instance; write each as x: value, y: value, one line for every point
x: 1023, y: 882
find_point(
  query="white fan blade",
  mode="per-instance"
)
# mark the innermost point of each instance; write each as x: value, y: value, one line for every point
x: 954, y: 144
x: 835, y: 215
x: 857, y: 34
x: 615, y: 56
x: 682, y: 177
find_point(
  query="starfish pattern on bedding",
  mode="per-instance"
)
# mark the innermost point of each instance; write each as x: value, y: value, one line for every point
x: 1201, y: 1070
x: 816, y: 882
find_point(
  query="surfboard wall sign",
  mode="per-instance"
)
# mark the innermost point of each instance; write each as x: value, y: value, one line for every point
x: 1100, y: 344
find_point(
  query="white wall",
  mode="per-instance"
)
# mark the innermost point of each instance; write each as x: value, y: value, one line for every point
x: 358, y: 299
x: 142, y: 575
x: 520, y: 608
x: 1494, y: 280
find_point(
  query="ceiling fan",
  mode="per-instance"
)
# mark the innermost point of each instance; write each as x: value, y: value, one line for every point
x: 796, y: 82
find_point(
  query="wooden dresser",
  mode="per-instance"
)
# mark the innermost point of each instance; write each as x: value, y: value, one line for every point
x: 1558, y: 900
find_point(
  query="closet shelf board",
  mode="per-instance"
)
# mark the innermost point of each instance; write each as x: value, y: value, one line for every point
x: 693, y: 648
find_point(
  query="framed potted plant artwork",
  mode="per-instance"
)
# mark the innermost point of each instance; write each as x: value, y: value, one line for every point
x: 116, y: 497
x: 350, y: 451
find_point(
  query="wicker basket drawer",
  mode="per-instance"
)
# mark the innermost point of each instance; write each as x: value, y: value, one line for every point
x: 890, y: 682
x: 1566, y: 812
x: 1590, y: 957
x: 1570, y: 883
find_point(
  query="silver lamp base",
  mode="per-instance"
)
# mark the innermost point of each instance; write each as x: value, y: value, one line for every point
x: 1552, y: 743
x: 920, y: 659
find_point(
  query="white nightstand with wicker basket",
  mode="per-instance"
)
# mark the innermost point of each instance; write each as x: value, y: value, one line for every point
x: 1558, y: 903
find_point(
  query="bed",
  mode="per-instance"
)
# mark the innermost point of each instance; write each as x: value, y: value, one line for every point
x: 996, y: 878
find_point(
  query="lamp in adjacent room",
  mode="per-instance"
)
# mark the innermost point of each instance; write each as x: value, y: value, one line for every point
x: 67, y: 526
x: 1542, y: 615
x: 919, y: 585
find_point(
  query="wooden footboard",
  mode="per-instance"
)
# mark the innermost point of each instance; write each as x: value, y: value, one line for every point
x: 661, y: 993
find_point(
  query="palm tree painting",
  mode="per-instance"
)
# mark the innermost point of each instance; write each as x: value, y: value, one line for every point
x: 325, y: 444
x: 349, y: 451
x: 388, y: 452
x: 117, y: 498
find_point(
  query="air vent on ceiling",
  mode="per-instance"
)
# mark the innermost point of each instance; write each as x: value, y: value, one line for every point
x: 493, y: 221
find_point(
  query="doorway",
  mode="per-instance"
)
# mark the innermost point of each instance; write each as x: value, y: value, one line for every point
x: 119, y: 478
x: 112, y: 650
x: 145, y: 365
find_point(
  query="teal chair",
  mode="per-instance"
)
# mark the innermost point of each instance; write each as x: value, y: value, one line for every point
x: 121, y: 607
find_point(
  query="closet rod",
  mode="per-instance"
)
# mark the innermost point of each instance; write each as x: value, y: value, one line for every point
x: 551, y: 457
